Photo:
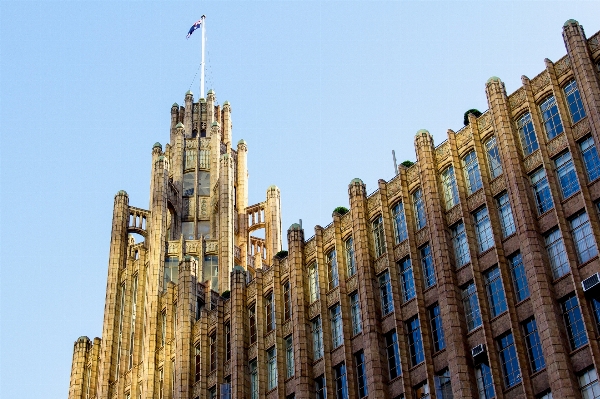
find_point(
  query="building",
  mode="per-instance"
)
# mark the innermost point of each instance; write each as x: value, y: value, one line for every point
x: 471, y: 274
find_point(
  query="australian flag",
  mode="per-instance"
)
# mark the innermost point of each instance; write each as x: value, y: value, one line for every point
x: 196, y: 25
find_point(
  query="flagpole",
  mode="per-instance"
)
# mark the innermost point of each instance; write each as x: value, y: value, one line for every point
x: 202, y: 61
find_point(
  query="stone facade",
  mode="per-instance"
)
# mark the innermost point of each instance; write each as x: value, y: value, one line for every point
x: 202, y: 307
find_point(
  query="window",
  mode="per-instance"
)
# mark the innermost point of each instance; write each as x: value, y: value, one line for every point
x: 253, y: 380
x: 596, y: 309
x: 212, y: 393
x: 443, y: 386
x: 472, y: 313
x: 545, y: 395
x: 313, y: 282
x: 415, y: 343
x: 287, y: 301
x: 495, y: 291
x: 541, y: 191
x: 351, y: 264
x: 317, y: 334
x: 399, y: 219
x: 519, y: 277
x: 210, y: 269
x: 419, y: 206
x: 472, y: 174
x: 289, y: 357
x: 378, y: 237
x: 585, y: 244
x: 163, y: 327
x: 573, y: 322
x: 459, y: 242
x: 588, y: 382
x: 552, y: 122
x: 590, y: 158
x: 189, y: 181
x: 341, y: 386
x: 337, y: 334
x: 204, y: 158
x: 88, y: 380
x: 227, y: 341
x: 449, y: 188
x: 332, y: 268
x: 355, y: 309
x: 190, y: 158
x: 252, y: 323
x: 574, y: 102
x: 508, y: 359
x: 133, y: 317
x: 493, y: 157
x: 197, y: 360
x: 506, y: 217
x: 172, y: 378
x: 483, y: 228
x: 485, y: 383
x: 427, y: 265
x: 566, y: 175
x: 557, y: 254
x: 171, y: 271
x: 385, y: 289
x: 270, y: 312
x: 361, y: 374
x: 534, y: 346
x: 407, y: 280
x: 199, y: 306
x: 161, y: 383
x: 320, y: 387
x: 527, y: 134
x: 271, y: 368
x: 393, y: 354
x: 437, y: 331
x: 422, y: 390
x: 203, y: 183
x: 213, y: 351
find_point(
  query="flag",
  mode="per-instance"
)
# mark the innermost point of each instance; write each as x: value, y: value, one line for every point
x: 196, y: 25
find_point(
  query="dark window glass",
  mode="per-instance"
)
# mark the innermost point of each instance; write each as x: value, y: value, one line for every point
x: 552, y: 122
x: 400, y: 232
x: 320, y: 388
x: 541, y: 191
x: 495, y: 291
x: 252, y: 323
x: 287, y: 301
x: 270, y: 312
x: 534, y: 346
x: 519, y: 277
x: 583, y: 238
x: 428, y: 267
x: 573, y: 322
x: 506, y: 216
x: 485, y: 383
x: 407, y: 280
x: 567, y: 177
x: 341, y: 386
x: 529, y: 141
x: 332, y: 269
x: 574, y: 102
x: 415, y: 343
x: 419, y: 206
x: 227, y: 341
x: 378, y: 237
x: 449, y: 188
x: 472, y: 174
x: 385, y: 289
x: 361, y: 374
x: 393, y: 354
x: 213, y: 352
x: 508, y: 358
x: 437, y: 331
x: 590, y: 158
x: 471, y: 305
x: 443, y: 386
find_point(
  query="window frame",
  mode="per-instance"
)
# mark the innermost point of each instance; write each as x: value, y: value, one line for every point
x: 549, y: 112
x: 527, y: 134
x: 470, y: 165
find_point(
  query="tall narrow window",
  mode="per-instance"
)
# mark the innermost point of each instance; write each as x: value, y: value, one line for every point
x: 271, y: 368
x: 449, y: 187
x: 552, y: 122
x: 163, y: 327
x: 120, y: 338
x: 415, y: 342
x: 213, y: 351
x: 557, y: 254
x: 519, y: 277
x: 485, y: 382
x: 161, y: 383
x: 443, y: 386
x: 508, y: 359
x: 495, y: 291
x: 332, y: 269
x: 356, y: 318
x: 317, y: 334
x: 270, y: 312
x: 596, y: 308
x: 573, y: 322
x: 172, y: 378
x: 378, y: 237
x: 341, y: 385
x: 361, y: 374
x: 534, y: 345
x: 574, y: 102
x: 88, y: 380
x: 590, y: 158
x: 493, y: 157
x: 337, y: 334
x: 567, y: 177
x: 205, y: 159
x: 211, y: 270
x: 472, y: 174
x: 407, y: 279
x: 427, y: 266
x: 385, y: 289
x: 437, y: 331
x: 289, y: 357
x: 351, y: 264
x: 203, y: 183
x: 419, y: 207
x: 529, y: 141
x: 393, y: 354
x: 197, y: 360
x: 400, y: 233
x: 541, y: 191
x: 252, y: 323
x: 588, y: 382
x: 287, y: 301
x: 483, y: 228
x: 227, y: 341
x: 459, y: 242
x: 472, y: 313
x: 313, y: 282
x: 190, y: 158
x: 253, y: 380
x: 212, y: 393
x: 506, y: 217
x: 133, y: 319
x: 189, y: 182
x: 585, y: 244
x: 320, y: 387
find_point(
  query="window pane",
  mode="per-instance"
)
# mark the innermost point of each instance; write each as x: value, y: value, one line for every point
x: 407, y: 280
x: 590, y: 158
x: 361, y: 374
x: 271, y: 368
x: 485, y: 383
x: 472, y: 174
x: 495, y: 291
x: 399, y: 219
x: 461, y: 247
x: 320, y: 387
x: 437, y: 331
x: 493, y: 157
x: 385, y: 289
x: 332, y: 270
x: 534, y: 346
x: 317, y: 338
x: 529, y: 141
x: 519, y: 277
x: 566, y: 175
x: 393, y: 354
x: 541, y: 191
x: 428, y: 267
x: 419, y: 206
x: 449, y: 187
x: 289, y: 357
x: 574, y: 322
x: 471, y: 305
x: 483, y: 228
x: 313, y: 282
x: 415, y: 343
x: 341, y: 386
x: 508, y: 358
x: 349, y: 245
x: 551, y: 118
x: 203, y: 183
x: 189, y: 181
x: 356, y: 318
x: 585, y: 244
x: 588, y: 382
x: 337, y: 333
x: 506, y: 216
x: 574, y: 102
x: 378, y: 237
x: 443, y: 386
x: 557, y: 254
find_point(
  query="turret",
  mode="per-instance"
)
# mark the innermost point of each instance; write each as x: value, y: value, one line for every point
x: 273, y: 221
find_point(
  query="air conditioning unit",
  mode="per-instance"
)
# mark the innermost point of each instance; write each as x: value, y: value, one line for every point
x: 591, y: 282
x: 477, y: 350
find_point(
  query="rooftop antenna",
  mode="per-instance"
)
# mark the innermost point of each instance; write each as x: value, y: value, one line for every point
x: 202, y: 64
x: 300, y: 223
x: 395, y: 163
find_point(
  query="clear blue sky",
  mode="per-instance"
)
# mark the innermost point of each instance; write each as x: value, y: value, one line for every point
x: 321, y: 91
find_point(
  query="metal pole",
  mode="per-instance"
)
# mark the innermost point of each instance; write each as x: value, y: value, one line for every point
x: 395, y: 163
x: 202, y: 61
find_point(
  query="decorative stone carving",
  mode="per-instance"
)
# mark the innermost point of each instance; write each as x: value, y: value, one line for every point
x: 517, y: 98
x: 212, y: 318
x: 251, y: 293
x: 173, y: 247
x: 212, y: 379
x: 268, y: 277
x: 352, y: 283
x: 270, y: 339
x: 593, y: 42
x: 557, y: 144
x: 287, y: 328
x: 498, y: 185
x: 192, y: 247
x: 191, y: 144
x: 401, y: 250
x: 422, y: 235
x: 442, y: 152
x: 476, y: 199
x: 212, y: 247
x: 394, y: 186
x: 484, y: 121
x: 309, y: 247
x: 581, y: 128
x: 463, y: 136
x: 204, y: 141
x: 204, y: 209
x: 328, y: 233
x: 453, y: 214
x: 374, y: 201
x: 314, y: 309
x: 333, y: 296
x: 562, y: 66
x: 540, y: 82
x: 412, y: 173
x: 533, y: 161
x: 252, y: 351
x: 346, y: 222
x: 227, y: 368
x: 381, y: 264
